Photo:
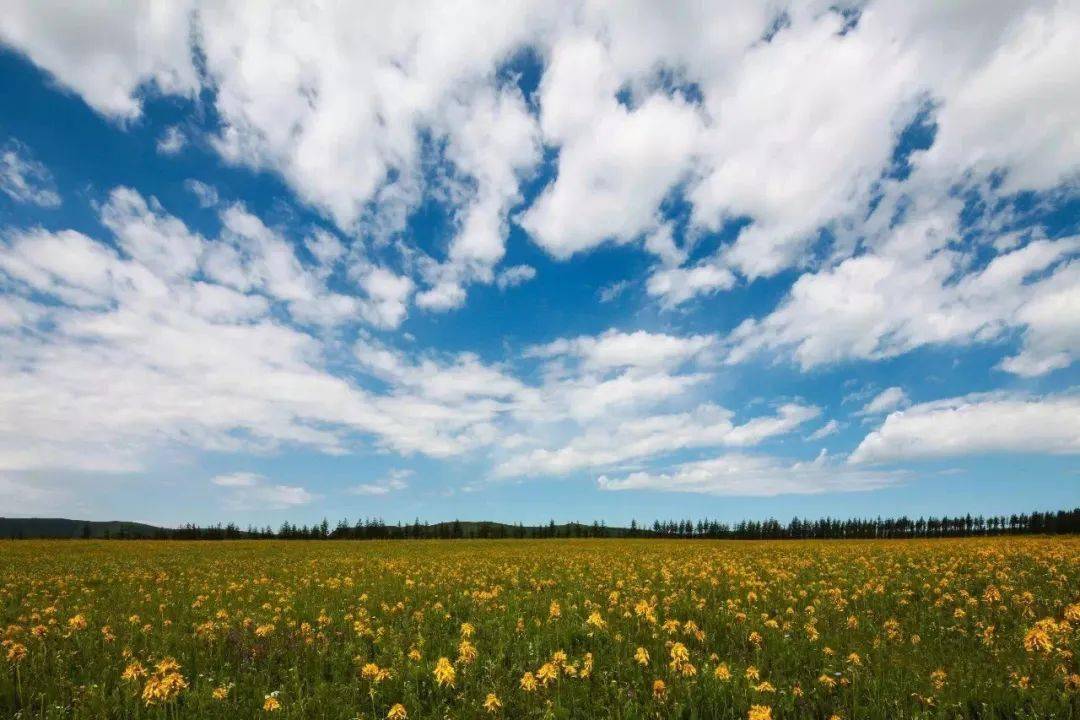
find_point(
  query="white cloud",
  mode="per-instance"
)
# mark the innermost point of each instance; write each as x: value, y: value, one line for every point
x: 172, y: 140
x: 677, y: 285
x: 206, y: 195
x: 975, y: 424
x: 237, y: 479
x: 753, y: 475
x: 251, y: 491
x: 24, y: 179
x: 918, y: 288
x: 393, y: 481
x: 109, y: 52
x: 514, y: 276
x: 884, y: 402
x: 640, y: 349
x: 645, y: 436
x: 830, y: 428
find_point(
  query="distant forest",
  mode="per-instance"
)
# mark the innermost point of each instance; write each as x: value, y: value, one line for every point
x: 1034, y: 523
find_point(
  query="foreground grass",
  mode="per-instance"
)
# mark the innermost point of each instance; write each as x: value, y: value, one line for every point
x: 540, y: 629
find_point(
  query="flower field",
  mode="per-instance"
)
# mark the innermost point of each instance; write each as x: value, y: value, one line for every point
x: 983, y: 628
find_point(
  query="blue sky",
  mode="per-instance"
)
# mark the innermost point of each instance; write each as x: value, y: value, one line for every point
x: 259, y: 264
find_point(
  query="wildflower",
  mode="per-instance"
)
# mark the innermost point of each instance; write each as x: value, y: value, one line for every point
x: 397, y: 712
x: 547, y: 673
x: 596, y: 621
x: 271, y: 704
x: 659, y: 689
x: 133, y: 671
x: 759, y: 712
x: 528, y: 682
x: 492, y: 703
x: 722, y: 672
x: 466, y: 652
x: 467, y: 630
x: 755, y: 639
x: 76, y: 623
x: 826, y: 681
x: 264, y: 630
x: 938, y: 678
x: 16, y: 652
x: 444, y: 673
x: 854, y: 659
x: 374, y: 673
x: 220, y: 693
x: 1072, y: 682
x: 165, y: 684
x: 765, y: 687
x: 554, y: 610
x: 752, y: 673
x: 1037, y: 639
x: 641, y: 656
x: 587, y: 666
x: 414, y: 655
x: 679, y: 653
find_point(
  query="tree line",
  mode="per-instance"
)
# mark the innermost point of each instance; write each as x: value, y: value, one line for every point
x: 1034, y: 523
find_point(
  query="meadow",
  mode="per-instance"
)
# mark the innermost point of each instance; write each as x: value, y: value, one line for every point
x: 971, y: 628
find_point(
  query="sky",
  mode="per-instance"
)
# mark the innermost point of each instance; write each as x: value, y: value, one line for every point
x: 528, y: 260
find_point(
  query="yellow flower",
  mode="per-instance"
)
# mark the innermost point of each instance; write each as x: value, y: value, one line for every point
x: 163, y: 687
x: 759, y: 712
x: 76, y: 623
x: 938, y: 678
x: 264, y: 630
x: 271, y: 704
x: 554, y: 610
x: 826, y: 681
x: 854, y: 659
x: 133, y: 671
x: 397, y: 712
x: 547, y: 673
x: 722, y: 673
x: 596, y: 621
x: 752, y: 673
x: 220, y: 693
x: 641, y: 656
x: 492, y: 703
x: 444, y: 673
x: 659, y: 689
x: 16, y: 652
x: 528, y: 682
x: 467, y: 630
x: 1037, y: 639
x: 466, y: 652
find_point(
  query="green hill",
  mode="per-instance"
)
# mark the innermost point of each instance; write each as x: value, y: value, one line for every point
x: 65, y: 528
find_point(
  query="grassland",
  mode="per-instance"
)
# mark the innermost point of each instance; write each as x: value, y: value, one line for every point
x: 981, y: 628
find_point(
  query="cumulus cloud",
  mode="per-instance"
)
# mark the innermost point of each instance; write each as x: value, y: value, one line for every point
x: 975, y: 424
x: 648, y: 435
x: 918, y: 287
x: 206, y: 195
x: 830, y: 428
x: 754, y: 475
x: 395, y: 480
x: 251, y: 491
x: 24, y: 179
x: 514, y: 276
x: 886, y: 401
x: 172, y: 141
